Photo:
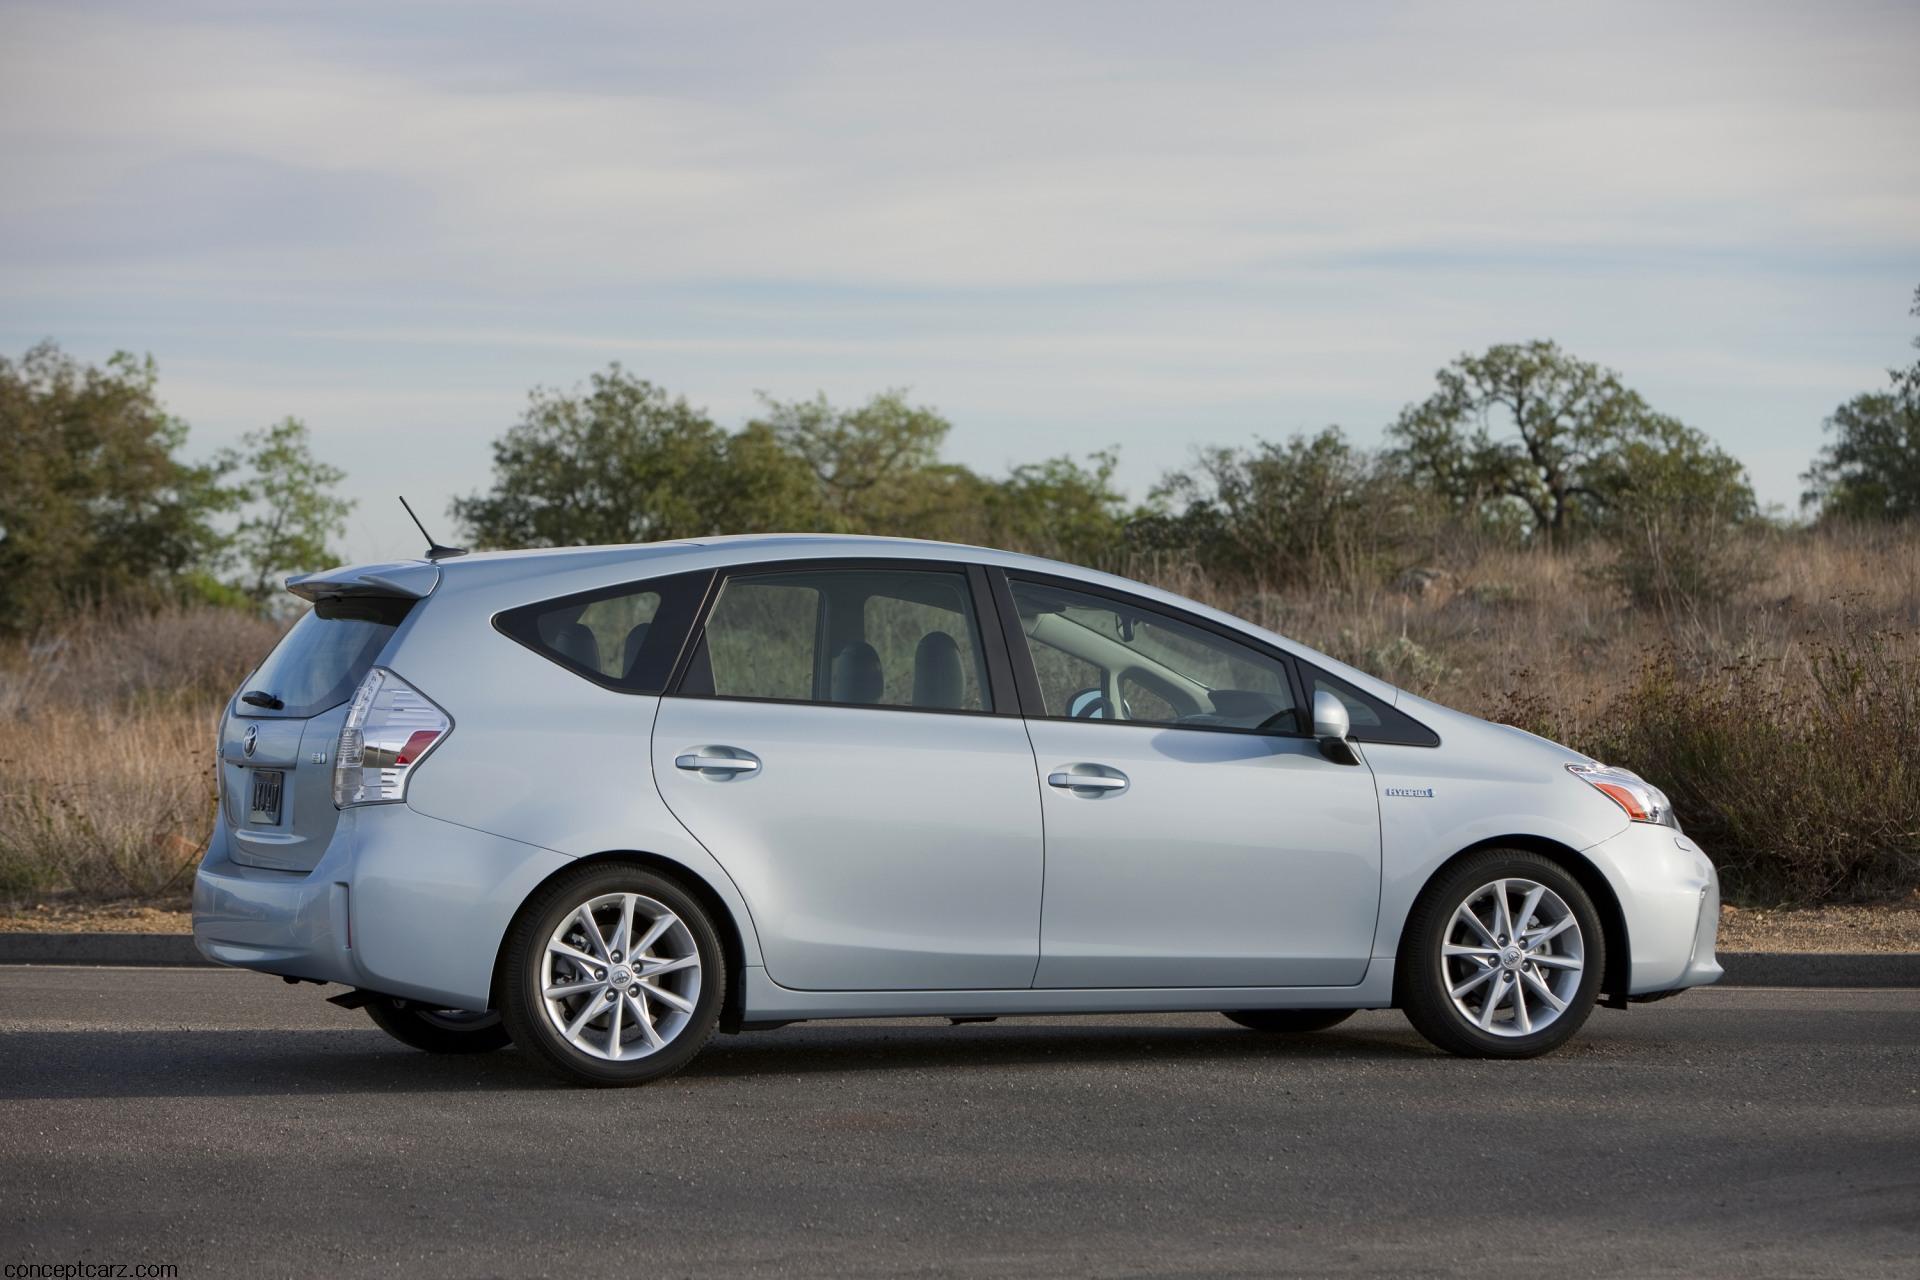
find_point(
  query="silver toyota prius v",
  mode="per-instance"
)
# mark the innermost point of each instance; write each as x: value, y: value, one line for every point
x: 600, y: 802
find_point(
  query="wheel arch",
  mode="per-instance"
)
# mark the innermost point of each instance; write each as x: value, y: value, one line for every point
x: 1613, y: 920
x: 732, y: 942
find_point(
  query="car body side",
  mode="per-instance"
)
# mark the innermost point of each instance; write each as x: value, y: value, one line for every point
x: 413, y: 899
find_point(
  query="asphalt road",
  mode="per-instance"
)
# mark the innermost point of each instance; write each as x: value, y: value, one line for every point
x: 231, y: 1125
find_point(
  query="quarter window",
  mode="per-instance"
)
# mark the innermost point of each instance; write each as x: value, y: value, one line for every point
x: 1372, y: 719
x: 626, y: 637
x: 1098, y: 659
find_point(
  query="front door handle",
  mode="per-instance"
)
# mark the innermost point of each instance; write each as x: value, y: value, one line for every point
x: 713, y: 760
x: 1089, y: 780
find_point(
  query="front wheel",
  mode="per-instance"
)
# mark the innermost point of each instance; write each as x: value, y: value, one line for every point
x: 1288, y: 1019
x: 1502, y: 956
x: 613, y: 976
x: 438, y: 1030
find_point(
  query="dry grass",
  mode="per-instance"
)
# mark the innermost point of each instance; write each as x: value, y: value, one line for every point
x: 1783, y: 716
x: 106, y: 749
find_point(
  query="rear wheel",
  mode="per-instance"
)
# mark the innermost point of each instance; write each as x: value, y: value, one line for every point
x: 438, y: 1030
x: 613, y: 976
x: 1502, y: 957
x: 1288, y: 1019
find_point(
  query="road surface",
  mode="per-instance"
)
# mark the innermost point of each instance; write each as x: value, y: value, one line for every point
x: 230, y: 1125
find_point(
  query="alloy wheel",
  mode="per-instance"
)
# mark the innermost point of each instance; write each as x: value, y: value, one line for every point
x: 1513, y: 956
x: 620, y: 976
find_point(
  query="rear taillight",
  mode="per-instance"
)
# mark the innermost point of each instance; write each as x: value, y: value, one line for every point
x: 390, y: 729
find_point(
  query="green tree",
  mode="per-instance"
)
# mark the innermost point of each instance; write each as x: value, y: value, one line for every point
x: 95, y: 502
x: 1871, y: 469
x: 1059, y: 507
x: 1528, y: 424
x: 290, y: 510
x: 1282, y: 511
x: 766, y: 488
x: 623, y: 461
x: 877, y: 466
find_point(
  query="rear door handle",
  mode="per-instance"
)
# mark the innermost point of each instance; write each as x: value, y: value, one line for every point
x: 711, y: 760
x: 1082, y: 779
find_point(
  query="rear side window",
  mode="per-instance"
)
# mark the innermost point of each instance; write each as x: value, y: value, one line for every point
x: 760, y: 638
x: 625, y: 637
x: 853, y: 637
x: 1372, y: 719
x: 320, y: 662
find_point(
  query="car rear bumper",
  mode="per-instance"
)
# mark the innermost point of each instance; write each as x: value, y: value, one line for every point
x: 399, y: 903
x: 1670, y: 895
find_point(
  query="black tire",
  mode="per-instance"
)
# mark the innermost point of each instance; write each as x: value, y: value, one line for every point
x: 1424, y: 982
x: 438, y: 1030
x: 1288, y: 1019
x: 524, y: 1006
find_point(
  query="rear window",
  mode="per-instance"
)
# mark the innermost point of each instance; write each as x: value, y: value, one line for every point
x: 625, y: 637
x: 320, y: 662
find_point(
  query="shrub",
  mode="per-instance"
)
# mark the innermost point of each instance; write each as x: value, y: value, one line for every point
x: 105, y: 801
x: 1312, y: 509
x: 1801, y: 779
x: 1671, y: 558
x: 185, y: 654
x: 106, y: 747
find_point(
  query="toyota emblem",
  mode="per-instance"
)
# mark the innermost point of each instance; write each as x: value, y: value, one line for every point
x: 252, y: 739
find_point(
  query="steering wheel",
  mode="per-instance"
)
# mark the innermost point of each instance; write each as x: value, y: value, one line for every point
x: 1089, y: 704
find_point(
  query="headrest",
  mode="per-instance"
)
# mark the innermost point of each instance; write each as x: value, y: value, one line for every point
x: 938, y: 681
x: 856, y: 675
x: 636, y: 640
x: 575, y: 642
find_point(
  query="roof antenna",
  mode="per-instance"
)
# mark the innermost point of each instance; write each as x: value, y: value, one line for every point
x: 434, y: 550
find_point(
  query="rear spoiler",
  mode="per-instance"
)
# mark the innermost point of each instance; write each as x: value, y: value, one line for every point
x: 399, y: 580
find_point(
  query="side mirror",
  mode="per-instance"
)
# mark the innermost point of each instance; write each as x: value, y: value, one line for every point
x: 1331, y: 725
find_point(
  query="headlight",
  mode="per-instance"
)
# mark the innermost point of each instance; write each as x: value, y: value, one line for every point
x: 1643, y: 801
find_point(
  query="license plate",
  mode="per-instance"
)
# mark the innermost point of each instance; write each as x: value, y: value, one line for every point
x: 264, y: 808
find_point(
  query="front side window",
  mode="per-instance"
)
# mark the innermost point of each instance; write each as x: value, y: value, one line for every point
x: 1100, y: 659
x: 852, y: 637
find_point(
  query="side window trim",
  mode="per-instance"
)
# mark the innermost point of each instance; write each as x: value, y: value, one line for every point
x: 1001, y: 695
x: 1027, y: 679
x: 993, y: 640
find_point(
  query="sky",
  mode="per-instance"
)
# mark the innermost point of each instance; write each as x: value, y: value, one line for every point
x: 1066, y: 226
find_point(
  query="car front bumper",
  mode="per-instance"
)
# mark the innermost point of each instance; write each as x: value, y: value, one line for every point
x: 400, y: 903
x: 1669, y: 895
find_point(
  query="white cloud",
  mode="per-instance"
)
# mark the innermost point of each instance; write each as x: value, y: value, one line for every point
x: 1060, y: 223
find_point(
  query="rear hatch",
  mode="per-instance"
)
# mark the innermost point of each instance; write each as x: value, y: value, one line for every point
x: 276, y: 759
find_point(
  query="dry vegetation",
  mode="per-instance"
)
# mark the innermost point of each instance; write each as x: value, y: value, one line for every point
x: 1783, y: 714
x: 106, y: 749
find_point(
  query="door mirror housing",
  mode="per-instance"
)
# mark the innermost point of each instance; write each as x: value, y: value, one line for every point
x: 1331, y: 725
x: 1330, y: 719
